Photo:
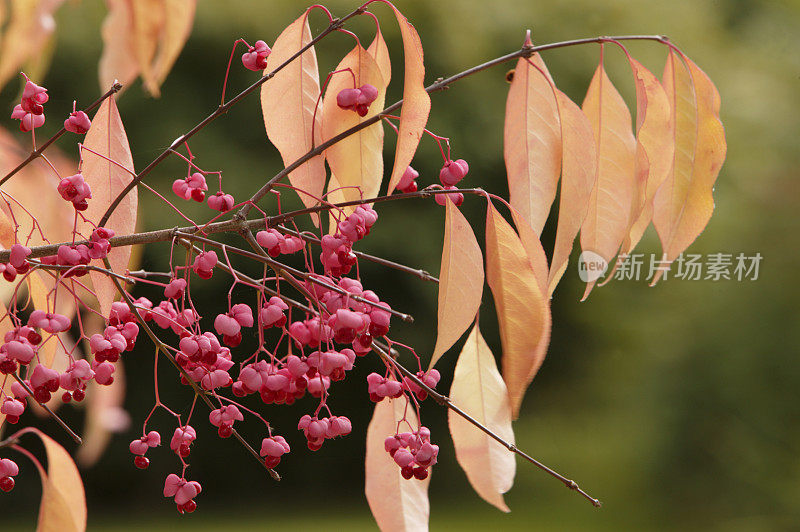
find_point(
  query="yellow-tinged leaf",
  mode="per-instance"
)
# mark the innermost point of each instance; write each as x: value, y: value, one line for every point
x: 177, y: 25
x: 107, y: 179
x: 416, y: 101
x: 148, y: 21
x: 63, y: 506
x: 578, y: 175
x: 118, y: 60
x: 460, y: 281
x: 532, y: 141
x: 684, y: 203
x: 357, y: 161
x: 523, y: 311
x: 397, y: 504
x: 288, y: 101
x: 380, y: 52
x: 533, y: 247
x: 608, y: 218
x: 28, y: 30
x: 655, y: 137
x: 479, y: 390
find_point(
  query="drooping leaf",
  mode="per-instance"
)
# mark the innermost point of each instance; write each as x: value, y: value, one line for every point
x: 532, y: 141
x: 143, y: 37
x: 416, y: 101
x: 178, y: 21
x: 357, y: 161
x: 578, y: 175
x: 460, y: 280
x: 63, y: 506
x: 655, y: 136
x: 29, y: 28
x: 684, y: 203
x: 608, y: 218
x: 523, y: 312
x: 148, y: 22
x: 380, y: 52
x: 397, y: 504
x: 288, y: 101
x: 118, y: 60
x: 107, y: 179
x: 533, y: 248
x: 479, y: 390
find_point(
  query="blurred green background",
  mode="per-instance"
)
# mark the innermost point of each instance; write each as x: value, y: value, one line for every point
x: 677, y: 405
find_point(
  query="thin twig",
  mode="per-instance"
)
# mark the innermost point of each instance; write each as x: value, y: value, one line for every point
x: 422, y: 274
x: 227, y: 226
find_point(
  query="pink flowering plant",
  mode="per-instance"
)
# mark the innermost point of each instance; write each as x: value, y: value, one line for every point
x: 71, y: 314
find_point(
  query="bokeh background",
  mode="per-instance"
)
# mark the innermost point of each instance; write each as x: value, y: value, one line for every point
x: 676, y: 405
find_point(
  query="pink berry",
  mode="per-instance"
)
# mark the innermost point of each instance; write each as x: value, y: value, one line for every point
x: 78, y: 122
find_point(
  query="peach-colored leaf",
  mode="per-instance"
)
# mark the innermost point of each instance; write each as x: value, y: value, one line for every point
x: 380, y: 52
x: 578, y: 175
x: 288, y: 101
x: 460, y: 281
x: 416, y: 101
x: 655, y: 137
x: 177, y: 25
x: 397, y: 504
x: 523, y: 311
x: 532, y: 141
x: 533, y: 247
x: 607, y: 221
x: 684, y: 203
x: 107, y: 179
x: 356, y: 160
x: 118, y: 60
x: 479, y: 390
x: 148, y: 22
x: 63, y: 506
x: 28, y: 30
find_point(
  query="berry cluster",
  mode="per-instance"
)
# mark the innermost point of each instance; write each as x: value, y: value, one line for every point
x: 341, y: 323
x: 413, y: 452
